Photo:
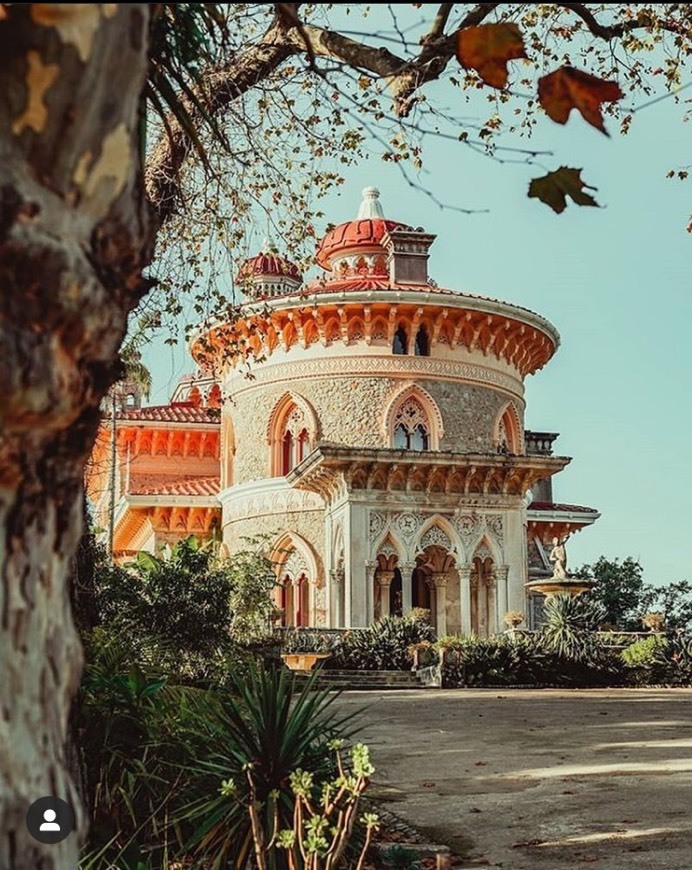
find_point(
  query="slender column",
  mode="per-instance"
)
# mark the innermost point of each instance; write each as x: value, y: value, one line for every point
x: 370, y: 568
x: 337, y: 576
x: 491, y: 603
x: 385, y: 578
x: 439, y: 579
x: 502, y: 577
x: 406, y: 569
x: 465, y: 597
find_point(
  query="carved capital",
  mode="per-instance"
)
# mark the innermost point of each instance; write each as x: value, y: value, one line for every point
x: 439, y: 579
x: 384, y: 578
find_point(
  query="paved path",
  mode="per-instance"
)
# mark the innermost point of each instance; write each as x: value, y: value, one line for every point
x: 538, y: 779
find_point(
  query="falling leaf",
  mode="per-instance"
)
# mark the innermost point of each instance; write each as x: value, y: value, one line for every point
x: 487, y: 48
x: 568, y: 88
x: 553, y: 188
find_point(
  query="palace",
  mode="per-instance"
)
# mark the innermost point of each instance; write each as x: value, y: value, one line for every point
x: 379, y: 443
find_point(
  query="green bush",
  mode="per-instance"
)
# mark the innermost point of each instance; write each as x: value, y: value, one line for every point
x: 158, y: 754
x: 659, y: 660
x: 383, y: 646
x: 265, y: 731
x: 523, y: 661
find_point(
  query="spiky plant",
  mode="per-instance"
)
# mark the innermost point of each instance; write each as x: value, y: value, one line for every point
x: 569, y: 626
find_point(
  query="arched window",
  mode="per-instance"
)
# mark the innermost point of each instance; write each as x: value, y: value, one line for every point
x: 422, y: 346
x: 411, y: 427
x: 130, y: 401
x: 291, y: 433
x: 508, y: 432
x: 400, y: 343
x: 295, y: 440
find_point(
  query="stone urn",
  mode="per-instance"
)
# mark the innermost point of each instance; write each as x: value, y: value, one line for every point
x: 302, y: 661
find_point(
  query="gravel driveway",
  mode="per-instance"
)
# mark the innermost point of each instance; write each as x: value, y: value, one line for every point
x: 533, y: 779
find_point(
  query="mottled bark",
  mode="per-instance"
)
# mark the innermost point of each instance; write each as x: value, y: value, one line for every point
x: 74, y: 238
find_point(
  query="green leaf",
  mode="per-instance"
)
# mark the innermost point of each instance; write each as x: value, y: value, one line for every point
x: 554, y: 188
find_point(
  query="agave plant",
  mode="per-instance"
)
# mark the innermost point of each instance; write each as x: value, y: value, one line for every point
x: 569, y: 626
x: 272, y: 729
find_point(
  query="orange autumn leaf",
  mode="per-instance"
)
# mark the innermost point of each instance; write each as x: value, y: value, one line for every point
x: 568, y: 88
x: 487, y: 48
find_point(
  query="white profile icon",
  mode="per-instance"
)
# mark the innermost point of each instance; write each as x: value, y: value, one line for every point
x: 50, y: 824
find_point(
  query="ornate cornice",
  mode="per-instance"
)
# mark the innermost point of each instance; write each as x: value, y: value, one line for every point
x: 405, y: 367
x: 331, y: 470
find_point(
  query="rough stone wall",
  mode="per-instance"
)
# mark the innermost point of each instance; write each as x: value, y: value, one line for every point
x: 351, y: 412
x: 308, y: 524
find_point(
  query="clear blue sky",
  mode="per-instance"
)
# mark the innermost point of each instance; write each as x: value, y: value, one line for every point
x: 616, y: 283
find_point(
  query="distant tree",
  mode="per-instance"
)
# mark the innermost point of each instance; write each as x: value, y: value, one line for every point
x: 181, y: 598
x: 673, y: 601
x: 619, y: 589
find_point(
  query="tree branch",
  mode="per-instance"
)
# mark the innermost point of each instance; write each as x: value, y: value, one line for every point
x: 224, y: 84
x: 614, y: 31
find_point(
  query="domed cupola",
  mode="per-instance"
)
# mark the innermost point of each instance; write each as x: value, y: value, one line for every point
x: 268, y: 274
x: 373, y: 249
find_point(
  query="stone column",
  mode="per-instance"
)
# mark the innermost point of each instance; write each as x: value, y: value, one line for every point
x: 337, y: 577
x: 502, y: 573
x: 406, y: 569
x: 359, y: 576
x: 491, y: 602
x: 439, y: 580
x: 465, y: 598
x: 385, y: 578
x: 370, y: 569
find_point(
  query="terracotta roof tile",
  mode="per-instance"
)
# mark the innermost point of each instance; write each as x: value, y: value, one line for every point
x: 184, y: 486
x: 176, y: 412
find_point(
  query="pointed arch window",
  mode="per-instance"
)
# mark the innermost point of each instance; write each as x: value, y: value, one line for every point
x: 411, y: 426
x: 291, y: 437
x: 422, y: 345
x: 400, y: 343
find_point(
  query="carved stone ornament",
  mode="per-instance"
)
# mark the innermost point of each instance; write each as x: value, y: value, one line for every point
x: 495, y: 524
x: 435, y: 537
x: 295, y: 565
x: 468, y: 526
x: 408, y: 524
x: 377, y: 524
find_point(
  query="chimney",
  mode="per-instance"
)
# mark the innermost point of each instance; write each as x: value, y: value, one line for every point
x: 407, y: 255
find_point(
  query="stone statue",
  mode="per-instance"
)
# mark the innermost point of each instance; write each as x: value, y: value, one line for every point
x: 558, y: 556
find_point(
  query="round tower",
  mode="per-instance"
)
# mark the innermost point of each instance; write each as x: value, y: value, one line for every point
x: 379, y: 443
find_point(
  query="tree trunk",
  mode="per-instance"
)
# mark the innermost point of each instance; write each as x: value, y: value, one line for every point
x: 74, y: 237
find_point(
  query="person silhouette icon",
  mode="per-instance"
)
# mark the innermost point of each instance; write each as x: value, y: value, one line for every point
x: 49, y: 824
x: 50, y: 820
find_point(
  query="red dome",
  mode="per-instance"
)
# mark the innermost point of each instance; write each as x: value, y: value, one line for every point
x: 271, y: 265
x: 361, y: 232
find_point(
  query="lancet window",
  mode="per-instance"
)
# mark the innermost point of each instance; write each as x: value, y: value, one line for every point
x: 411, y: 426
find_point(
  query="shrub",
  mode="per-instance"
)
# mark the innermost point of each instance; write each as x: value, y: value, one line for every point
x: 658, y: 660
x: 382, y: 646
x: 266, y: 732
x: 522, y: 661
x: 569, y: 626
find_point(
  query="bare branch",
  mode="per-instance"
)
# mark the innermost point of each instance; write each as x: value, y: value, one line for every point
x: 440, y: 22
x: 614, y: 31
x: 224, y: 84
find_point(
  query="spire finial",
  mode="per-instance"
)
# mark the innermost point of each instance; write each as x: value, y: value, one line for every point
x: 370, y: 207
